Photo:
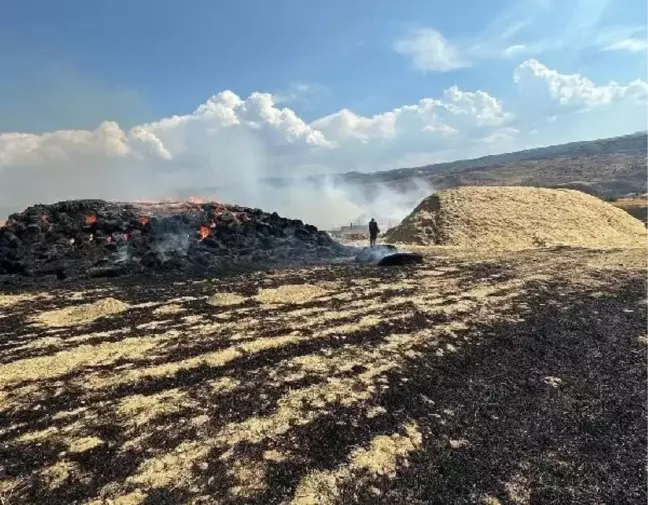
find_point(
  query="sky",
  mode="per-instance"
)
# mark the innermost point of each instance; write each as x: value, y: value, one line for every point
x: 126, y: 99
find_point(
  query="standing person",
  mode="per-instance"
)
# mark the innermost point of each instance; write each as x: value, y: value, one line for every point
x: 373, y: 232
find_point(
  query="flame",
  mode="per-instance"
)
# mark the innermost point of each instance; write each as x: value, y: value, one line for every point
x: 108, y: 239
x: 204, y: 232
x: 91, y: 219
x: 144, y: 220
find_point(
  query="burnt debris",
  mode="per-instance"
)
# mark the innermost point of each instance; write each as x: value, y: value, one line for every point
x: 96, y: 238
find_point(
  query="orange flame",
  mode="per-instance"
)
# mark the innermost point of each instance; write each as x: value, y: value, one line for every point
x: 91, y: 219
x: 204, y: 232
x: 144, y: 220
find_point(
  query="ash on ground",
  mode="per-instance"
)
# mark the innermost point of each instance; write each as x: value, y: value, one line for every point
x: 96, y: 238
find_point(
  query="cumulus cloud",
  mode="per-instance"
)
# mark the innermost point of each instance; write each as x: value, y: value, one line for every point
x: 228, y: 147
x: 576, y: 90
x: 454, y: 111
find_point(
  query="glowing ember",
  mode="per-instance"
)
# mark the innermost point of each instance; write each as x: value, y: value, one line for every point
x: 144, y: 220
x: 204, y: 232
x: 91, y: 219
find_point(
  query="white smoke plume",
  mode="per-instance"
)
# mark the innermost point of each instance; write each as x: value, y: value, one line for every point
x: 227, y: 150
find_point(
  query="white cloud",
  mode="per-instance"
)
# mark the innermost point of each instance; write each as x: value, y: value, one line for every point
x: 630, y: 38
x: 233, y: 142
x: 455, y: 111
x: 514, y: 50
x: 575, y: 89
x: 631, y: 44
x: 229, y: 143
x: 430, y: 51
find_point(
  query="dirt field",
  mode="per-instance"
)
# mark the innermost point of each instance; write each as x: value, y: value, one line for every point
x: 491, y: 377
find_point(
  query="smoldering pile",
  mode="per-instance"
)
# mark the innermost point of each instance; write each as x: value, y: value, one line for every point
x: 97, y: 238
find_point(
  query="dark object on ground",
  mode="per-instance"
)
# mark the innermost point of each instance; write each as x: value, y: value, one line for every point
x: 95, y: 238
x: 401, y: 258
x: 375, y: 254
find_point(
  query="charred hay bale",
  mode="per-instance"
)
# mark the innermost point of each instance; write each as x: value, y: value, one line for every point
x: 400, y: 258
x: 70, y: 238
x: 375, y: 254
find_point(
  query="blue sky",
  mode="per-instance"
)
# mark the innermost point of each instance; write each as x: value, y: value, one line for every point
x: 120, y: 98
x: 176, y: 54
x: 158, y: 58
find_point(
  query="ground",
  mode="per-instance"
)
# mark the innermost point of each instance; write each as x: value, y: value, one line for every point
x: 480, y: 377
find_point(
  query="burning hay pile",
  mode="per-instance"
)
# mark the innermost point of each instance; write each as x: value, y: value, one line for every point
x: 517, y: 217
x: 99, y: 238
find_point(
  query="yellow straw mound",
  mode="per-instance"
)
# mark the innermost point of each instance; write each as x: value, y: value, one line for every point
x: 517, y: 217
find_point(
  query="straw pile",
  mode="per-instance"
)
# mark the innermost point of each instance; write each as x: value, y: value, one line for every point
x: 516, y: 217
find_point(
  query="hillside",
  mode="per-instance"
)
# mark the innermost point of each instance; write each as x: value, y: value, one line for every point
x: 606, y: 167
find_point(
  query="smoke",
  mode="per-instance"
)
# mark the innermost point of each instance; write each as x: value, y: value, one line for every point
x: 231, y: 167
x: 227, y: 150
x: 329, y: 203
x: 174, y: 243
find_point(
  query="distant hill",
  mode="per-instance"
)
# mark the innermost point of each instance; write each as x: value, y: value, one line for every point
x: 606, y: 167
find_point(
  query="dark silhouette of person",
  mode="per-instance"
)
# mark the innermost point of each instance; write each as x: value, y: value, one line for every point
x: 373, y: 232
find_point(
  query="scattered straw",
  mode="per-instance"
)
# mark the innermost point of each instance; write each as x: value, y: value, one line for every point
x: 63, y: 362
x: 291, y: 293
x: 80, y: 314
x: 140, y: 409
x: 225, y: 299
x: 381, y: 458
x: 170, y: 309
x: 84, y: 444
